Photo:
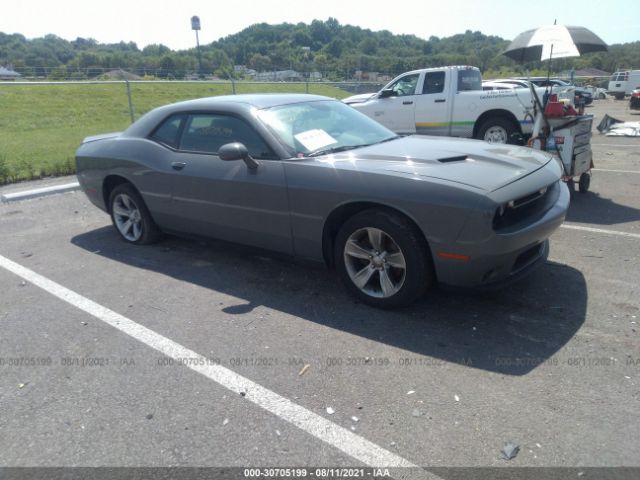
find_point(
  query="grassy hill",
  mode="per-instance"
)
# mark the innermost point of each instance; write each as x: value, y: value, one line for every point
x: 42, y: 125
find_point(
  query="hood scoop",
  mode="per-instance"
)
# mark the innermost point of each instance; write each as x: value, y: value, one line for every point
x: 460, y: 158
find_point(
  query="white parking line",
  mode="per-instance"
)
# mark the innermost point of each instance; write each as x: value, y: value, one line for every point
x: 348, y: 442
x: 599, y: 230
x: 615, y: 171
x: 614, y: 145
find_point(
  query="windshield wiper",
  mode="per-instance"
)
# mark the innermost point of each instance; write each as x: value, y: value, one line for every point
x: 342, y: 148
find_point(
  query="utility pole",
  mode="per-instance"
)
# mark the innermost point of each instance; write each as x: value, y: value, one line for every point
x: 195, y: 25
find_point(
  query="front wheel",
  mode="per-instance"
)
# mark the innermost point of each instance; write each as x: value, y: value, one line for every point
x: 131, y: 217
x: 496, y: 130
x: 382, y: 259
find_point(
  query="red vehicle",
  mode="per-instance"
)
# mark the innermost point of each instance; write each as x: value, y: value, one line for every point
x: 634, y: 102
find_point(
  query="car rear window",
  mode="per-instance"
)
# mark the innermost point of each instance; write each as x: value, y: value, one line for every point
x: 168, y: 131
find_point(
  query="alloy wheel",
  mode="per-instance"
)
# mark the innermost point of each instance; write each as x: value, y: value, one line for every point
x: 127, y: 217
x: 374, y: 262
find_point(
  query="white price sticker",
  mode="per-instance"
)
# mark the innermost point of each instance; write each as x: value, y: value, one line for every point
x: 315, y: 139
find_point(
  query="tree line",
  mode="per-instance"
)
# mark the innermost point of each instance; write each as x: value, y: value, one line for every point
x: 336, y: 51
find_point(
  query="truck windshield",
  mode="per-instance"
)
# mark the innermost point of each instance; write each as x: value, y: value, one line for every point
x: 469, y: 80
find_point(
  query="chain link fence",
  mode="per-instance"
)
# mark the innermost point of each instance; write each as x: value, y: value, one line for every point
x: 42, y: 123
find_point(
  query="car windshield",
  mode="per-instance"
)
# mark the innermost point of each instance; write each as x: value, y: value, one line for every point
x: 322, y: 127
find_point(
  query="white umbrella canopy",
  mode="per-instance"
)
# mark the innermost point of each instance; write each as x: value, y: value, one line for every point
x: 554, y: 41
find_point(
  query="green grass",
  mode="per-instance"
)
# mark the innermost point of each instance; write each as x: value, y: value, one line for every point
x: 42, y: 125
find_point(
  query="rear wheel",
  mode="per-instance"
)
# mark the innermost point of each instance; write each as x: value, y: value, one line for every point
x: 584, y: 183
x: 131, y: 217
x: 496, y: 130
x: 382, y: 259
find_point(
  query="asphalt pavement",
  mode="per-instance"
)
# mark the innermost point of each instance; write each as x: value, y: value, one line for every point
x: 550, y: 364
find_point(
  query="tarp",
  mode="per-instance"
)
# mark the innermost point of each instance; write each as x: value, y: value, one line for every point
x: 612, y: 127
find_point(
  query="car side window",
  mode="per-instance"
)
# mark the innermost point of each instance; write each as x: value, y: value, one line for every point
x: 433, y: 82
x: 168, y: 131
x: 406, y: 85
x: 206, y: 133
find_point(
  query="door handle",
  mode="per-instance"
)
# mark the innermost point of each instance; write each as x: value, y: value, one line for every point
x: 440, y: 100
x: 178, y: 165
x: 408, y: 102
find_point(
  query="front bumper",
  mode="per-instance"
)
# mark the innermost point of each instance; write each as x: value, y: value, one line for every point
x: 502, y: 257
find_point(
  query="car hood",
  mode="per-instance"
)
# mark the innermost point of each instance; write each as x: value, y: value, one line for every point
x: 361, y: 98
x: 478, y: 164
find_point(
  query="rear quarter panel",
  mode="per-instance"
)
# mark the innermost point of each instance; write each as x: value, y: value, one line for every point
x: 470, y: 105
x: 141, y: 162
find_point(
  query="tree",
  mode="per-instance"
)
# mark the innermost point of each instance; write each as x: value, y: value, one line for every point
x: 260, y: 62
x: 58, y: 73
x: 332, y: 47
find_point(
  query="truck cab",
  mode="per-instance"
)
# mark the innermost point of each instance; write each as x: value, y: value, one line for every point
x: 449, y: 101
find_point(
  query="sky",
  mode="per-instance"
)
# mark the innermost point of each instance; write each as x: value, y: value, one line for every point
x: 168, y: 22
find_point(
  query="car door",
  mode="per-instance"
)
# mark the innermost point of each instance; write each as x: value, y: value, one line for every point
x: 432, y: 105
x: 397, y: 111
x: 226, y: 199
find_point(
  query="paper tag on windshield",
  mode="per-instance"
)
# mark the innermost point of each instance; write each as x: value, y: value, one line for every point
x: 315, y: 139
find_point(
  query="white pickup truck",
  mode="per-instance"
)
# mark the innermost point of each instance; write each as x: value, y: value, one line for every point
x: 449, y: 101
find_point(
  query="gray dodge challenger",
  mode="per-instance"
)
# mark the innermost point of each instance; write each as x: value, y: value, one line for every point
x: 310, y: 177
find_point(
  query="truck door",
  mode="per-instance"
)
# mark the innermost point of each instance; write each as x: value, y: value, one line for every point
x: 396, y: 110
x: 432, y: 105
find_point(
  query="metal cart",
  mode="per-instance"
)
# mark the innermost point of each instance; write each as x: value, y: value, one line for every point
x: 570, y: 140
x: 567, y: 137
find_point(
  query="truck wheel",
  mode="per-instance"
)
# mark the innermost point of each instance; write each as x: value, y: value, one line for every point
x: 496, y: 130
x: 619, y: 96
x: 585, y: 181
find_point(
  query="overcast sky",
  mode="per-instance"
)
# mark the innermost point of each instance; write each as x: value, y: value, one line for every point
x: 168, y: 22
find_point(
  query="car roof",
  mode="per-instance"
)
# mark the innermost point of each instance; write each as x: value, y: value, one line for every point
x: 230, y: 103
x: 257, y: 100
x: 513, y: 81
x: 499, y: 85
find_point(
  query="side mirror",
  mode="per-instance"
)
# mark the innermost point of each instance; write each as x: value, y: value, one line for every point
x: 386, y: 93
x: 237, y: 151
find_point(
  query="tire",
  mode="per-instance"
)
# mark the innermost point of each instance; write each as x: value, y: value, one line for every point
x: 387, y: 255
x: 125, y: 204
x: 619, y: 96
x: 584, y: 183
x: 496, y: 130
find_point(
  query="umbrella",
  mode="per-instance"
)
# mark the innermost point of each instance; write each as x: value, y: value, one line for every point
x: 557, y: 41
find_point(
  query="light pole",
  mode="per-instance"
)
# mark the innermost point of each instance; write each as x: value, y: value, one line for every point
x: 195, y: 25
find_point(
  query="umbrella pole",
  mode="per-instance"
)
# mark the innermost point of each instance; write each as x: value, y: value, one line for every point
x: 549, y: 71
